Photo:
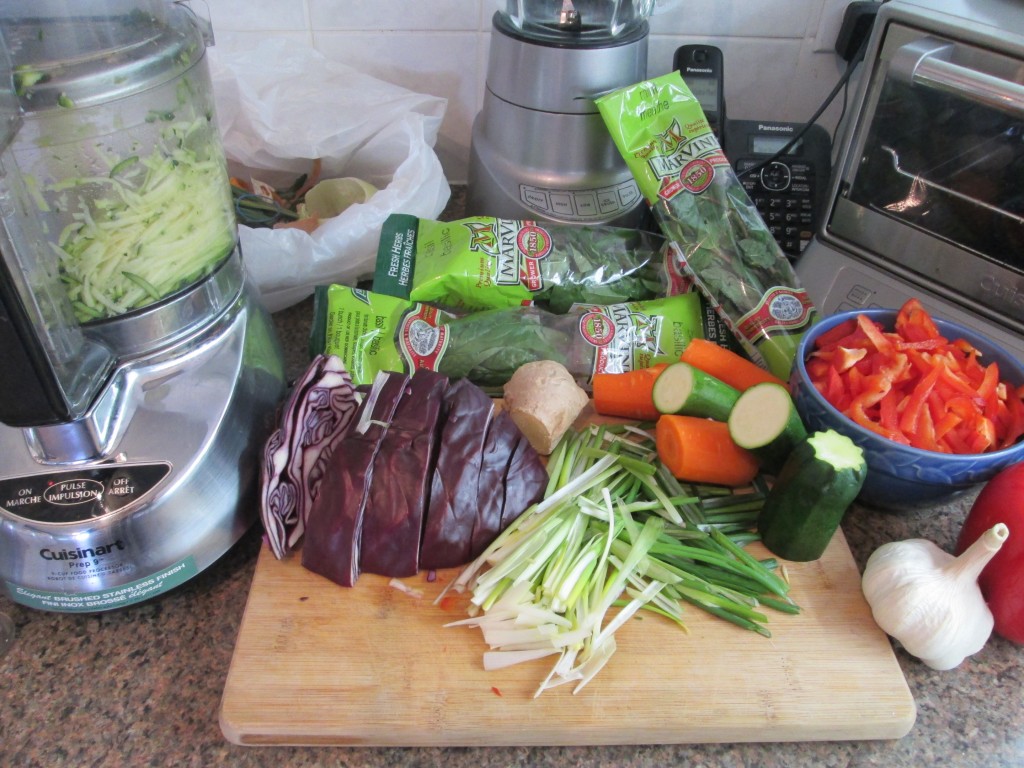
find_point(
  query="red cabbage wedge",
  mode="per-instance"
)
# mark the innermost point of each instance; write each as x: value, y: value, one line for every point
x: 334, y: 527
x: 403, y: 468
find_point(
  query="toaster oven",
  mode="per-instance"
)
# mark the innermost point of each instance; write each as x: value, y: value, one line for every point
x: 927, y: 193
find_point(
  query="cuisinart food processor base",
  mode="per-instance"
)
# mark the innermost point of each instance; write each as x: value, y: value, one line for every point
x: 540, y: 149
x: 141, y: 375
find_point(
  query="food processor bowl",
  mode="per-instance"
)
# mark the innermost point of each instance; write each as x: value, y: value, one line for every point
x: 120, y: 148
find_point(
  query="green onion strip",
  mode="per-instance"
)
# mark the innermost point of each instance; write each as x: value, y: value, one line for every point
x: 615, y: 531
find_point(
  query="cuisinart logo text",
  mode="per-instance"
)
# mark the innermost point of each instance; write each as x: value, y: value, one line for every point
x: 81, y: 554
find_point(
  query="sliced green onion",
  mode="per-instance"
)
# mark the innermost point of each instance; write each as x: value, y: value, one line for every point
x: 615, y: 531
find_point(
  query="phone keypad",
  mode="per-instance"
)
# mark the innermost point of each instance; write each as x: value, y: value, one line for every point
x: 783, y: 192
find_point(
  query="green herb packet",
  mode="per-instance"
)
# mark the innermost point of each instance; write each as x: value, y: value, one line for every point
x: 374, y: 332
x: 717, y: 234
x: 482, y: 262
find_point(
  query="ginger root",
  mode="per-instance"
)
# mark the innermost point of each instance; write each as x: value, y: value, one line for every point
x: 544, y: 400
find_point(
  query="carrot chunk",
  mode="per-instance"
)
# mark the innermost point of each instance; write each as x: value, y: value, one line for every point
x: 701, y: 451
x: 627, y: 394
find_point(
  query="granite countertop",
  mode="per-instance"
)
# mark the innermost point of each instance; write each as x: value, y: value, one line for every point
x: 142, y: 685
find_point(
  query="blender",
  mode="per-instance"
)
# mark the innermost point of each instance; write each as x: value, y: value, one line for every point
x: 140, y: 372
x: 539, y: 148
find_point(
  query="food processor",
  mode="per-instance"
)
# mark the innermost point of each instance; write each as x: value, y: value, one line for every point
x: 140, y: 373
x: 539, y: 148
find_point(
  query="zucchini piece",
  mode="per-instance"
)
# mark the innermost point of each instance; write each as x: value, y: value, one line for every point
x: 686, y: 390
x: 765, y: 422
x: 812, y: 492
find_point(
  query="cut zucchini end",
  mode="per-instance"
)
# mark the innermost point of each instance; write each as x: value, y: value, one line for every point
x: 673, y: 388
x: 762, y: 414
x: 685, y: 389
x: 837, y: 449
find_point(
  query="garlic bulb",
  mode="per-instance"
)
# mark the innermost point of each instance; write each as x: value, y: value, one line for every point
x: 929, y: 600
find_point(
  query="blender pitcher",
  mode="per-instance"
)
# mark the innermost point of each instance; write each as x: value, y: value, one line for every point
x: 603, y: 19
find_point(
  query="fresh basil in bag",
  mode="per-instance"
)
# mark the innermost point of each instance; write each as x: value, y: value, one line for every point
x: 718, y: 234
x: 374, y: 332
x: 482, y: 262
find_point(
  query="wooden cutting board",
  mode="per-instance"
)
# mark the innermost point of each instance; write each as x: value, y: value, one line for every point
x: 319, y: 664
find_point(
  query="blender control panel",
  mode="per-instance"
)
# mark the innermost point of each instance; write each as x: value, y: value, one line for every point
x: 786, y: 188
x: 79, y: 495
x: 582, y: 205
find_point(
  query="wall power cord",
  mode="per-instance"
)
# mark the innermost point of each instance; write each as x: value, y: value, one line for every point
x: 851, y: 44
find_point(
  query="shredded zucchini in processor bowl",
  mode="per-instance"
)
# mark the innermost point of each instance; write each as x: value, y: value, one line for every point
x: 159, y: 223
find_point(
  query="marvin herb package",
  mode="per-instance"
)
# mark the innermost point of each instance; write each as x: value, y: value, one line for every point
x: 719, y: 237
x: 482, y: 262
x: 374, y: 332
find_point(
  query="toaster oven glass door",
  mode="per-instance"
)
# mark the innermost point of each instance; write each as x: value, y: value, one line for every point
x: 934, y: 180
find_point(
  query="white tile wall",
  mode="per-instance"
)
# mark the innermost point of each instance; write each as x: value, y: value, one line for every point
x: 779, y: 62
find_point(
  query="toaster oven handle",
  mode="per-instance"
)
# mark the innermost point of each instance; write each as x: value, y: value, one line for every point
x: 926, y: 62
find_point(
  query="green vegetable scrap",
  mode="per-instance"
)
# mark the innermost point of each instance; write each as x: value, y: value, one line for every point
x: 482, y: 263
x: 25, y: 77
x: 149, y: 227
x: 372, y: 332
x: 615, y: 530
x: 718, y: 235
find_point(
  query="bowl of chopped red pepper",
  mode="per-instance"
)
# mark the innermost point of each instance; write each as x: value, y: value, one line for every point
x: 936, y: 407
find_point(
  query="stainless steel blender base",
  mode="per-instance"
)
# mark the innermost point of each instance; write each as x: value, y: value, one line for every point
x: 579, y: 179
x: 540, y: 149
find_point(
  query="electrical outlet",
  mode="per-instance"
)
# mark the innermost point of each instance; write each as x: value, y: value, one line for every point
x: 853, y: 35
x: 829, y: 24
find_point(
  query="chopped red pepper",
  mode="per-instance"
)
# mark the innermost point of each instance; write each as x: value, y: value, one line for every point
x: 449, y: 603
x: 916, y: 402
x: 915, y: 386
x: 875, y: 335
x: 1015, y: 425
x: 914, y: 323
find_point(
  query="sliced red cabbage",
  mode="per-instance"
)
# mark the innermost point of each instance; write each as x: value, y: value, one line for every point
x: 526, y: 481
x: 278, y: 492
x: 334, y: 527
x: 420, y: 475
x: 393, y: 521
x: 451, y: 510
x: 277, y: 499
x: 502, y: 438
x: 317, y: 413
x: 324, y: 415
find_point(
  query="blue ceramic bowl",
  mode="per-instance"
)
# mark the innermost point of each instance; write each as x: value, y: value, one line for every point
x: 900, y: 477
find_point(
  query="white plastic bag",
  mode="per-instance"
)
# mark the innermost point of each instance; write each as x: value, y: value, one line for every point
x: 280, y: 105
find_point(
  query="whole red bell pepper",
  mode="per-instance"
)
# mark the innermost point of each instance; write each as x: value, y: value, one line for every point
x: 1002, y: 581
